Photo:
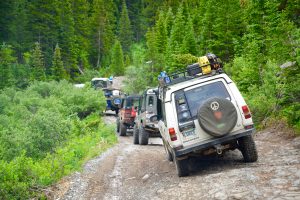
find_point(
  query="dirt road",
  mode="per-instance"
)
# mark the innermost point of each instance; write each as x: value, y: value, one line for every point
x: 130, y: 171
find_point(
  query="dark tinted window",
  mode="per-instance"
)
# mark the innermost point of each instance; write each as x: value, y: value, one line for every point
x: 129, y: 102
x: 197, y: 96
x: 99, y: 84
x: 150, y: 101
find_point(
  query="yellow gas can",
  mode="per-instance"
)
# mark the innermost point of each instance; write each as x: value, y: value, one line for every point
x: 203, y: 61
x: 204, y: 64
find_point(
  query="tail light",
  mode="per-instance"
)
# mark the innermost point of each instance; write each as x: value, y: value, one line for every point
x: 246, y: 112
x: 172, y: 134
x: 133, y: 113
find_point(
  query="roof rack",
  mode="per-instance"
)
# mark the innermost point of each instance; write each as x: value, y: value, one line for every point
x: 209, y: 64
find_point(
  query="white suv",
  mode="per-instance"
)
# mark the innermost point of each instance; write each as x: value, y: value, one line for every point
x: 204, y: 114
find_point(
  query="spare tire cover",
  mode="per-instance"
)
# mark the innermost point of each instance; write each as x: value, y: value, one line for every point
x: 116, y: 101
x: 217, y: 116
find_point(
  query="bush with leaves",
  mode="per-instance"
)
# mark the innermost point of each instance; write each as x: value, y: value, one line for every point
x: 25, y: 177
x: 46, y: 132
x: 39, y: 118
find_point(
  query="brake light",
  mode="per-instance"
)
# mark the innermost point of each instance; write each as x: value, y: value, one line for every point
x: 172, y: 134
x: 133, y: 113
x: 246, y: 112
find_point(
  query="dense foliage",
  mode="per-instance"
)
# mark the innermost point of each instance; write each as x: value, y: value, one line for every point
x: 258, y: 41
x: 47, y: 128
x: 47, y: 131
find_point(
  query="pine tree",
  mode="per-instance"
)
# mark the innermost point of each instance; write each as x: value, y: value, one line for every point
x: 37, y: 63
x: 68, y: 38
x: 137, y: 19
x: 177, y: 33
x: 227, y: 28
x: 6, y: 8
x: 58, y: 70
x: 117, y: 59
x: 176, y: 39
x: 20, y: 37
x: 80, y: 13
x: 189, y: 42
x: 43, y: 23
x: 206, y: 35
x: 6, y: 60
x: 103, y: 25
x: 125, y: 33
x: 152, y: 50
x: 169, y: 20
x: 127, y: 61
x: 161, y: 33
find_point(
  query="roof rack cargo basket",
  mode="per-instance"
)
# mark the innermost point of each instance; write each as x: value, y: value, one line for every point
x: 209, y: 64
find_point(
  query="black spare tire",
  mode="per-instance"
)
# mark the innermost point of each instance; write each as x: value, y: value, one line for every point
x: 217, y: 116
x: 116, y: 101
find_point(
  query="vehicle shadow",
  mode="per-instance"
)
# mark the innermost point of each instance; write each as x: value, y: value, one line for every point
x: 216, y: 163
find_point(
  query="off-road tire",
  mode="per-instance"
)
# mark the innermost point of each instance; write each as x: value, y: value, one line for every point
x: 123, y: 129
x: 118, y: 125
x: 143, y: 136
x: 182, y: 166
x: 135, y: 135
x: 248, y: 148
x: 168, y: 153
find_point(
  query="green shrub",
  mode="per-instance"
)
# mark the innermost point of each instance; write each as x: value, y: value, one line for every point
x: 292, y: 114
x: 46, y: 132
x: 40, y: 118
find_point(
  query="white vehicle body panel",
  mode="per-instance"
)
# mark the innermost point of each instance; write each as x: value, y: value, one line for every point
x: 200, y: 135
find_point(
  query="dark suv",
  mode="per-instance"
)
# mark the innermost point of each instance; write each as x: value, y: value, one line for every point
x: 113, y: 99
x: 146, y: 122
x: 127, y: 114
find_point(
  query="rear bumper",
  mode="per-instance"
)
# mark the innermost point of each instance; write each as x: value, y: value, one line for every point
x: 128, y: 121
x: 212, y: 142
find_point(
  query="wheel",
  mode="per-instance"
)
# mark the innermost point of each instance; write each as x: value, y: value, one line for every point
x: 118, y: 125
x: 248, y: 148
x: 135, y: 135
x: 143, y: 136
x: 123, y: 129
x: 168, y: 153
x: 182, y: 166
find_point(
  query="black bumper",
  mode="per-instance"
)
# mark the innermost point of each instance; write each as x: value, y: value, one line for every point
x: 207, y: 144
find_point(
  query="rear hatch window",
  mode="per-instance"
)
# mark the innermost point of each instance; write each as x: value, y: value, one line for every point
x: 189, y: 100
x: 131, y: 102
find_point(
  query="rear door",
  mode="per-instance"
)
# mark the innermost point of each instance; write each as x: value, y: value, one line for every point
x: 195, y: 96
x: 151, y: 105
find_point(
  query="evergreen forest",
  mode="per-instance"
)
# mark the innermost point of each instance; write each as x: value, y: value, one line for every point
x: 48, y: 45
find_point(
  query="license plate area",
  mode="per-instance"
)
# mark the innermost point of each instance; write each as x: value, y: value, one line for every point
x: 189, y: 133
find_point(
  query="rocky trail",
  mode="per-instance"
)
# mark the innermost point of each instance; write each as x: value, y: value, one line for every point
x: 129, y: 171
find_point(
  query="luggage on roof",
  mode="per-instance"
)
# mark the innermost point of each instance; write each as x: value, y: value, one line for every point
x: 208, y: 64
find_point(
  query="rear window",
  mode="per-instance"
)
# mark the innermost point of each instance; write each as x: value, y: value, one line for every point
x: 99, y: 83
x: 129, y: 102
x: 195, y: 97
x: 150, y: 101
